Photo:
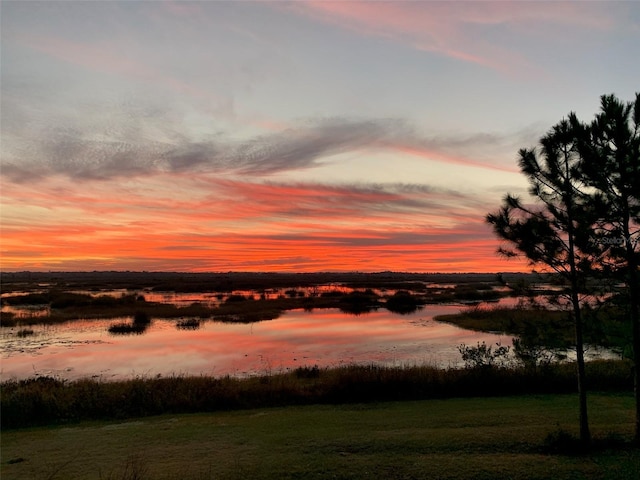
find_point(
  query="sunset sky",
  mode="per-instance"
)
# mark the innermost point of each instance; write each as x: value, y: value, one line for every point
x: 286, y: 136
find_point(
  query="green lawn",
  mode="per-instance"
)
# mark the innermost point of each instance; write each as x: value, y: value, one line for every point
x: 483, y: 438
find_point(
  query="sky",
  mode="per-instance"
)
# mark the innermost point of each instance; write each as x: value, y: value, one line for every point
x: 286, y: 136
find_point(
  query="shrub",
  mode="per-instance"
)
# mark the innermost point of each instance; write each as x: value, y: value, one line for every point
x: 124, y: 328
x: 483, y: 356
x: 561, y: 441
x: 235, y: 298
x: 358, y: 302
x: 141, y: 318
x: 188, y: 324
x: 8, y: 319
x: 531, y: 354
x: 402, y: 302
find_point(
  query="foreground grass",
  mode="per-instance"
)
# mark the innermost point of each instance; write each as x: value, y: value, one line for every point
x: 480, y: 438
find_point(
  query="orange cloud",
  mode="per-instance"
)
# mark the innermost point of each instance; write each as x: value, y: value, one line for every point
x: 226, y: 225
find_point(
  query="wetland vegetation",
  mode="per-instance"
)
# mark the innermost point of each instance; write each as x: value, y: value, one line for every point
x: 70, y: 296
x: 45, y: 400
x: 45, y: 403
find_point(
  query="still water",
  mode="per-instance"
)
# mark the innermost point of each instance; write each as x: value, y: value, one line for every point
x: 325, y: 338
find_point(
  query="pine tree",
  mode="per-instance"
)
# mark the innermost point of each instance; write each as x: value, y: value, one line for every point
x: 610, y: 149
x: 554, y: 231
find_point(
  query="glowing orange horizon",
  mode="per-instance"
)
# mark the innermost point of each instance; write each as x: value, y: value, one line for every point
x: 236, y: 253
x: 222, y: 225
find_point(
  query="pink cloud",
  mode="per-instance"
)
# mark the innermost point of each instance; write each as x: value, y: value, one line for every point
x: 431, y: 154
x: 455, y: 29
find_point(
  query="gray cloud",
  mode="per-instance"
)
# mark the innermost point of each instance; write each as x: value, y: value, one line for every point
x: 79, y: 154
x: 349, y: 200
x: 376, y: 238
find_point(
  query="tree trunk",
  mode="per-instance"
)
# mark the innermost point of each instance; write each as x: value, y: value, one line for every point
x: 634, y: 294
x: 635, y: 320
x: 585, y: 434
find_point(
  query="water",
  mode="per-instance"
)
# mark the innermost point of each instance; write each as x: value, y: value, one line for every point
x: 327, y: 338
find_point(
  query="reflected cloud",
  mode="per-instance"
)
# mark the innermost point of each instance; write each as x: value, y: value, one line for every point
x: 325, y: 338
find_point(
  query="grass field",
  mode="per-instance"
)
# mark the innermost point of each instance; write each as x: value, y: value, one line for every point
x: 480, y: 438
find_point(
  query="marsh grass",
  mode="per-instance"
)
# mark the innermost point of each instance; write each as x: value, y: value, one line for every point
x: 236, y: 308
x: 45, y: 400
x: 25, y: 332
x: 509, y: 319
x: 66, y: 305
x: 553, y: 329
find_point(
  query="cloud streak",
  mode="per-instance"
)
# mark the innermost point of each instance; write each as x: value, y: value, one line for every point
x: 240, y: 225
x: 78, y: 154
x: 458, y: 29
x: 284, y: 135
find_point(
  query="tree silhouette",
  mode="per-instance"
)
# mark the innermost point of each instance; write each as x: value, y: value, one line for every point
x: 554, y: 231
x: 610, y: 147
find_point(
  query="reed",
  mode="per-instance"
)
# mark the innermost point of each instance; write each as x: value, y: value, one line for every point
x: 46, y: 400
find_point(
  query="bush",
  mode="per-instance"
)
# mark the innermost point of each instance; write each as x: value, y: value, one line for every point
x: 8, y: 319
x: 402, y: 302
x: 124, y: 328
x: 141, y: 318
x: 483, y: 356
x: 188, y: 324
x: 531, y: 354
x: 235, y: 298
x: 562, y: 442
x: 358, y: 303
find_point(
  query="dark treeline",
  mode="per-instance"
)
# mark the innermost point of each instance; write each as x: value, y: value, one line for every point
x: 226, y: 282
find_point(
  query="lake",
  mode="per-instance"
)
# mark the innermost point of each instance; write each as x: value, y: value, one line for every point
x: 327, y: 338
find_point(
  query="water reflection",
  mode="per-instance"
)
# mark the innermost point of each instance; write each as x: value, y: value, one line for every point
x: 322, y: 337
x: 138, y: 325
